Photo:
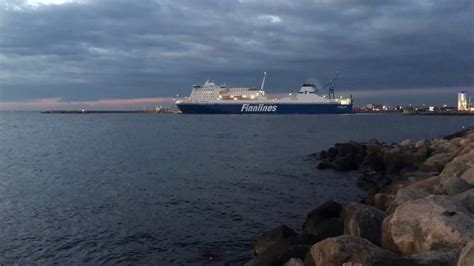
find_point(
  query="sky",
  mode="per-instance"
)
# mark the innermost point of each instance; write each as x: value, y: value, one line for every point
x: 122, y: 54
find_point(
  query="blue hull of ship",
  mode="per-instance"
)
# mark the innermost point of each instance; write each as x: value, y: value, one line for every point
x: 277, y: 108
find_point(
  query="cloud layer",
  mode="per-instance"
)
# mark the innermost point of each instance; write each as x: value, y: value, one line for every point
x: 89, y: 50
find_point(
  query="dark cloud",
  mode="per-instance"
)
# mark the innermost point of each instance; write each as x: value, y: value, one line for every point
x: 90, y: 49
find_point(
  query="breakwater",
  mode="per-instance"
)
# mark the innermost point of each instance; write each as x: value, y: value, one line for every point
x: 419, y: 208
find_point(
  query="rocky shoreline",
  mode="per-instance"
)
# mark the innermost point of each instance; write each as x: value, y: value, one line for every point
x: 419, y: 208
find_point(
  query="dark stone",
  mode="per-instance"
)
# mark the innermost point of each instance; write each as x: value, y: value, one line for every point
x: 345, y: 163
x: 280, y: 235
x: 331, y: 153
x: 323, y: 222
x: 366, y: 222
x: 323, y: 165
x: 296, y: 251
x: 372, y: 163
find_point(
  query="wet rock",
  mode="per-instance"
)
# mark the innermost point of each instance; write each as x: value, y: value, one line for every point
x: 344, y: 249
x: 443, y: 257
x: 431, y: 223
x: 467, y: 255
x: 282, y: 235
x: 322, y: 222
x: 366, y: 222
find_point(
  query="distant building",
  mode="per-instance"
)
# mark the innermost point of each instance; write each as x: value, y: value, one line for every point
x: 463, y: 104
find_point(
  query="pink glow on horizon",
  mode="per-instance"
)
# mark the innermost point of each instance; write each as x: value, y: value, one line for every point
x: 103, y: 104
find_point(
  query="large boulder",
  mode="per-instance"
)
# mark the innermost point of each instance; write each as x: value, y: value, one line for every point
x: 467, y: 255
x: 323, y: 222
x: 430, y: 223
x: 282, y: 235
x: 343, y: 249
x: 366, y: 222
x: 443, y: 257
x: 417, y: 190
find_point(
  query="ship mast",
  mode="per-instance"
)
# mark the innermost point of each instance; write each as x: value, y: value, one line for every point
x: 263, y: 81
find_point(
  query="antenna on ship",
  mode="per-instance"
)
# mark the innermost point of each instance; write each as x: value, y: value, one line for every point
x: 263, y: 81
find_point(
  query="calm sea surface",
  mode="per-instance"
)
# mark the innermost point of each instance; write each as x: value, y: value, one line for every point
x: 171, y: 189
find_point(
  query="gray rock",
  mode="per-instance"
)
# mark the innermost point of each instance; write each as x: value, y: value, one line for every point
x: 366, y: 222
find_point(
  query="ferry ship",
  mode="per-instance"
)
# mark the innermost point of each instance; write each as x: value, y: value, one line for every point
x: 210, y: 98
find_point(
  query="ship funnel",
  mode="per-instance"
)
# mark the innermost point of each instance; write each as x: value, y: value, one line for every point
x: 263, y: 81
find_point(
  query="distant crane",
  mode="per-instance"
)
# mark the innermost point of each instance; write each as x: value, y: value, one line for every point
x: 331, y: 85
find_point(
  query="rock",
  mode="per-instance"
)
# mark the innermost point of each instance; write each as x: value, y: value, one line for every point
x: 373, y: 149
x: 456, y: 186
x: 344, y: 149
x: 406, y: 142
x: 322, y: 222
x: 349, y: 209
x: 343, y: 249
x: 294, y: 262
x: 352, y: 264
x: 383, y: 201
x: 327, y: 228
x: 430, y: 223
x: 436, y: 162
x: 372, y: 163
x: 278, y: 254
x: 454, y: 169
x: 366, y: 222
x: 345, y: 163
x: 331, y: 153
x: 422, y: 144
x: 468, y: 176
x: 280, y: 235
x: 417, y: 190
x: 467, y: 255
x: 296, y: 252
x: 444, y: 257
